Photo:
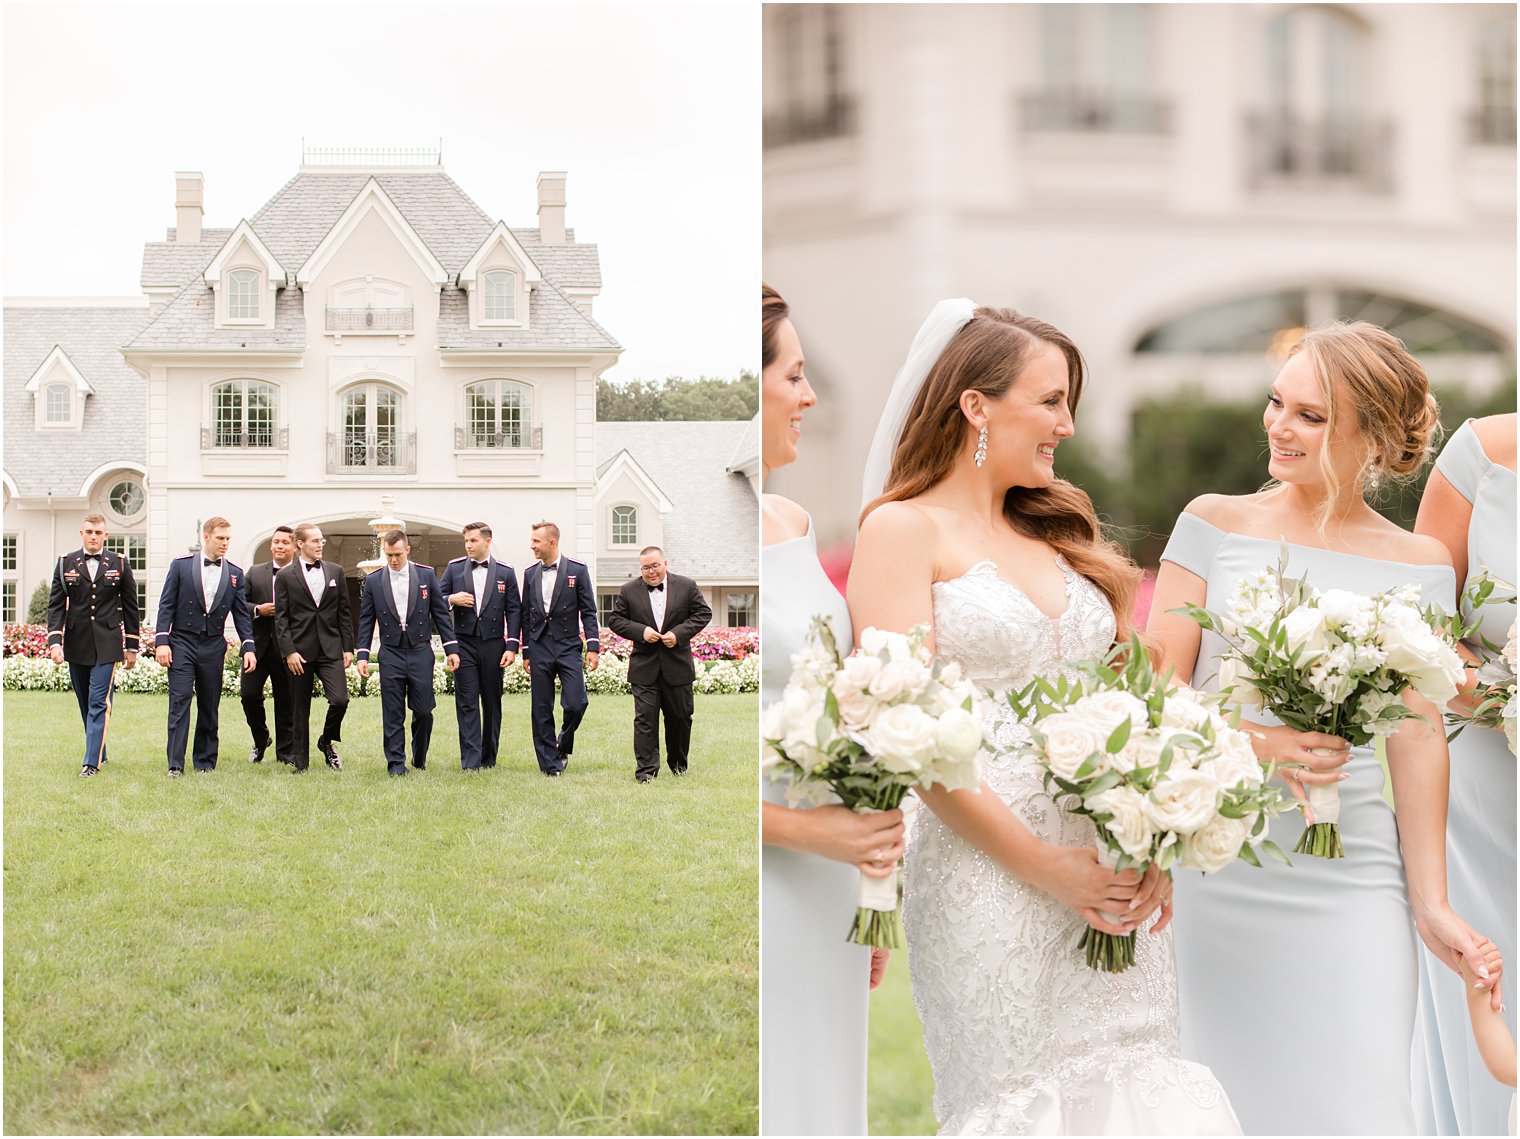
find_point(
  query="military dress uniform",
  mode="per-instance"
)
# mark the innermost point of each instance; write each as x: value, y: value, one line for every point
x: 93, y: 615
x: 486, y: 631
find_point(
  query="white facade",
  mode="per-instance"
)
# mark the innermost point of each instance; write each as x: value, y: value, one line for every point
x: 369, y: 343
x: 1148, y: 178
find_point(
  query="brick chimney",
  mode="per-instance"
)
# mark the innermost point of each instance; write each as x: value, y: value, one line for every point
x: 189, y: 196
x: 551, y: 207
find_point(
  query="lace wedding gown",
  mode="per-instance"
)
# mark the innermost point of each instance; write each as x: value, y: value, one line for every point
x: 1023, y: 1037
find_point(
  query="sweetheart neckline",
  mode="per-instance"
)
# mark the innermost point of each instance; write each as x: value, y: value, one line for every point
x: 1066, y: 571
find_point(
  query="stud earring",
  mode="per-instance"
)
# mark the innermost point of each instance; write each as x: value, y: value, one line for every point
x: 1372, y: 479
x: 981, y: 446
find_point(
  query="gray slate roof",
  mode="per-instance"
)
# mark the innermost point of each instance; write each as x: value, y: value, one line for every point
x: 115, y: 417
x: 293, y: 223
x: 747, y: 449
x: 713, y: 530
x: 553, y: 321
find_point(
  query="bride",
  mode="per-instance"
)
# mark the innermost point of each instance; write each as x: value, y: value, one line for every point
x: 967, y: 527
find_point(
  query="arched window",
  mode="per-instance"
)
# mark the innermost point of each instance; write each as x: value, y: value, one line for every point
x: 1253, y: 325
x: 500, y: 299
x: 625, y: 525
x: 59, y: 403
x: 244, y: 413
x: 371, y: 427
x: 500, y: 414
x: 126, y: 499
x: 243, y: 294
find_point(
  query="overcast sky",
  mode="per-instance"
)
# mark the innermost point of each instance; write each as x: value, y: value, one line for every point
x: 653, y: 110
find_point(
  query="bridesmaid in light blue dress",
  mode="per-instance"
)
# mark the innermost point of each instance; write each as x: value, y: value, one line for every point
x: 1299, y: 984
x: 814, y: 984
x: 1469, y: 504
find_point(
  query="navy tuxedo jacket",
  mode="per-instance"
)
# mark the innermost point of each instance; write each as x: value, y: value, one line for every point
x: 571, y: 610
x: 500, y: 614
x: 93, y: 620
x: 182, y: 604
x: 425, y: 602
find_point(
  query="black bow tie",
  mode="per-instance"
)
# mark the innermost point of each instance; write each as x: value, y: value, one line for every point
x: 551, y: 568
x: 212, y: 561
x: 657, y: 588
x: 312, y: 566
x: 92, y: 557
x: 481, y: 565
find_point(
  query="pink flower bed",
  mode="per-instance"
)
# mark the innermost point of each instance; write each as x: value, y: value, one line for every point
x: 708, y: 645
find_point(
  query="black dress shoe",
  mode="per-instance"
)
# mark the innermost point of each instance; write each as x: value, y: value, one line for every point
x: 86, y: 772
x: 644, y: 778
x: 257, y: 754
x: 678, y: 771
x: 326, y: 747
x: 393, y: 774
x: 419, y: 766
x: 552, y: 774
x: 175, y: 773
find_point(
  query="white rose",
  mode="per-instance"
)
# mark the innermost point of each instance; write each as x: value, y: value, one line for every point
x: 1069, y: 741
x: 1341, y: 606
x: 950, y: 674
x: 1182, y: 711
x: 1215, y: 846
x: 873, y: 640
x: 959, y: 735
x: 1143, y: 749
x: 1111, y: 707
x: 1509, y: 649
x: 855, y: 707
x: 1414, y: 649
x: 1234, y: 761
x: 1130, y: 825
x: 1305, y: 628
x: 890, y: 682
x: 902, y: 738
x: 1184, y: 801
x: 1235, y: 683
x: 1507, y: 718
x: 858, y: 671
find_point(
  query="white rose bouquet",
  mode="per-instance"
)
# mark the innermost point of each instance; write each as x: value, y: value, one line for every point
x: 868, y: 728
x: 1335, y: 662
x: 1494, y: 693
x: 1164, y: 774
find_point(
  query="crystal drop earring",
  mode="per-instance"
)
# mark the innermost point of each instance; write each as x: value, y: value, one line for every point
x: 981, y: 446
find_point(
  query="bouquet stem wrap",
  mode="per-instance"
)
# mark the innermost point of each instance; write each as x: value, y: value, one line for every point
x: 1323, y: 838
x: 1109, y: 952
x: 878, y: 920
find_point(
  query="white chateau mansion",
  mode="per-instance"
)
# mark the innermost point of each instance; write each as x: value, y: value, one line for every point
x: 370, y: 342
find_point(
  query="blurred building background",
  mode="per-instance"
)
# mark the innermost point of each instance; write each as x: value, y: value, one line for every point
x: 1179, y: 187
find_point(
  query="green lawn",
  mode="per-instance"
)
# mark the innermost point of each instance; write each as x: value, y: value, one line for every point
x: 900, y: 1086
x: 252, y: 951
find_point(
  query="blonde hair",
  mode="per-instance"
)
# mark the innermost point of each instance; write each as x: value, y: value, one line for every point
x: 989, y: 355
x: 1367, y: 370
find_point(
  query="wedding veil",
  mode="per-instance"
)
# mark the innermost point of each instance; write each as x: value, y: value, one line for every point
x: 943, y: 322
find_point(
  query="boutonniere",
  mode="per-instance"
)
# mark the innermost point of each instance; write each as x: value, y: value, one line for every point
x: 570, y: 581
x: 424, y: 593
x: 234, y: 581
x: 501, y: 587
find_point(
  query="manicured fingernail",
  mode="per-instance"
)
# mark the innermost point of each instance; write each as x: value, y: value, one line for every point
x: 1483, y: 971
x: 1133, y: 902
x: 1342, y: 777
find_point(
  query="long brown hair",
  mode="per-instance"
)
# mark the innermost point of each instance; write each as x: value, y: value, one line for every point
x: 988, y: 355
x: 773, y: 311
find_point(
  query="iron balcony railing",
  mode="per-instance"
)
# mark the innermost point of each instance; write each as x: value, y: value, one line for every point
x: 214, y: 438
x: 1287, y: 150
x: 834, y: 117
x: 353, y: 451
x: 1093, y: 112
x: 527, y: 439
x: 369, y: 319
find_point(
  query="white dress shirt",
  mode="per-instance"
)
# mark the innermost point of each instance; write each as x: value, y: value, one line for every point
x: 657, y: 604
x: 316, y: 579
x: 92, y: 565
x: 211, y: 581
x: 478, y: 576
x: 546, y: 581
x: 400, y: 589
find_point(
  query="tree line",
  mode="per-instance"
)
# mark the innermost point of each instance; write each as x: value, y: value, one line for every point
x: 678, y: 398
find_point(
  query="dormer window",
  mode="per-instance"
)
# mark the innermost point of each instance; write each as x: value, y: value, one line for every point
x: 243, y: 294
x: 500, y: 300
x: 59, y: 405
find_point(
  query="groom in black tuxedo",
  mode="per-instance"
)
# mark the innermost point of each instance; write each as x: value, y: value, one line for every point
x: 316, y: 638
x: 660, y: 613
